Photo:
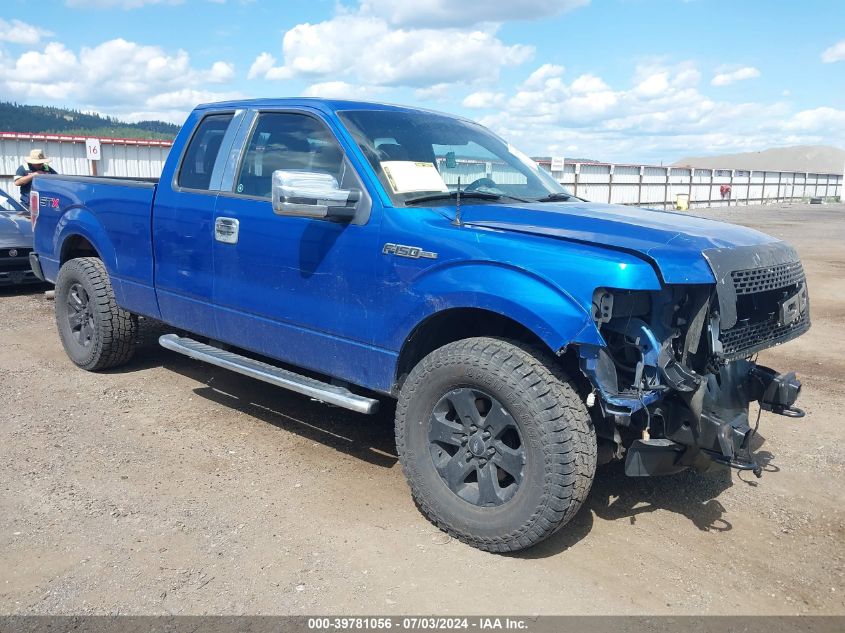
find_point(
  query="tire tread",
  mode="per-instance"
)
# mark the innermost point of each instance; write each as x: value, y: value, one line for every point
x: 118, y: 329
x: 570, y: 457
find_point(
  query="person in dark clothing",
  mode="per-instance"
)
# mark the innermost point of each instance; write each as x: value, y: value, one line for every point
x: 34, y: 164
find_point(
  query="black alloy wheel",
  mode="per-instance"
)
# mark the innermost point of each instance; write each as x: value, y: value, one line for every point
x: 476, y: 447
x: 80, y: 318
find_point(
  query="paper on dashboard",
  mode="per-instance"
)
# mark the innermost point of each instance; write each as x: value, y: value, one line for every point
x: 407, y: 176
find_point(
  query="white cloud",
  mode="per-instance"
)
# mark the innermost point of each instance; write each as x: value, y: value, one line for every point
x: 687, y: 76
x: 185, y: 99
x: 367, y: 51
x: 435, y: 92
x: 17, y: 32
x: 48, y: 74
x: 654, y: 85
x: 175, y: 105
x: 817, y: 119
x: 483, y: 100
x: 587, y: 84
x: 116, y: 4
x: 220, y: 72
x: 117, y: 76
x: 447, y: 13
x: 661, y: 115
x: 261, y: 66
x: 729, y: 77
x: 835, y: 53
x: 429, y: 13
x: 340, y: 90
x: 540, y: 77
x: 436, y: 47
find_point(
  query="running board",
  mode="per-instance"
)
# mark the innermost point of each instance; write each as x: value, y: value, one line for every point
x: 324, y: 392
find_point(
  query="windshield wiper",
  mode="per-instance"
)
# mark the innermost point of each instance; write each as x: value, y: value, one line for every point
x: 481, y: 195
x: 451, y: 195
x: 558, y: 196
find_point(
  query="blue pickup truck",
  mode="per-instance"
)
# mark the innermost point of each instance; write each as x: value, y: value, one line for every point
x: 354, y: 252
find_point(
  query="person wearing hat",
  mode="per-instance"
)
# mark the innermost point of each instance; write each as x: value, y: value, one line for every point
x: 34, y: 164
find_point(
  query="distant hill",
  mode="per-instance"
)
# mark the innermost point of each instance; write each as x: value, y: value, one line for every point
x: 26, y: 118
x: 821, y: 159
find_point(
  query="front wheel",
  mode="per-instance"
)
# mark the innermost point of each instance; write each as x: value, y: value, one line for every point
x: 96, y: 333
x: 496, y: 445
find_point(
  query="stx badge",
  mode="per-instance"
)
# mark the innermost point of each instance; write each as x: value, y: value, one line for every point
x: 413, y: 252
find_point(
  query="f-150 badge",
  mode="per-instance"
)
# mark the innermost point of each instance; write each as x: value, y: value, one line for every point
x: 413, y: 252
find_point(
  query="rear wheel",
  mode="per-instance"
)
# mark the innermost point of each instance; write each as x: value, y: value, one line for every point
x: 496, y: 445
x: 95, y: 331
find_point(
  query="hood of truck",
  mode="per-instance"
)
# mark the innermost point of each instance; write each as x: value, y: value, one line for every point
x: 15, y: 231
x: 674, y: 242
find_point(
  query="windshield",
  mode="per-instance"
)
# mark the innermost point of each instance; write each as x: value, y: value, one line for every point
x: 420, y: 157
x: 8, y: 205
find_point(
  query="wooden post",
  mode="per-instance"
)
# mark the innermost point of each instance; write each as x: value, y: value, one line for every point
x: 575, y: 185
x: 610, y: 185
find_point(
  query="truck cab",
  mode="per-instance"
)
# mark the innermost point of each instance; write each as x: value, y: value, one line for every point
x: 354, y: 252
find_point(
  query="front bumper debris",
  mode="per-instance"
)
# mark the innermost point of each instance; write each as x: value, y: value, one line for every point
x: 723, y: 434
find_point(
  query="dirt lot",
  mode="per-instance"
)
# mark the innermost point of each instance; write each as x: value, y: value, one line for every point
x: 172, y: 487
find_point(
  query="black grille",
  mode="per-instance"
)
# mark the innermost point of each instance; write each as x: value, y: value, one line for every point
x: 759, y: 293
x: 742, y: 341
x: 7, y: 252
x: 770, y: 278
x: 17, y: 262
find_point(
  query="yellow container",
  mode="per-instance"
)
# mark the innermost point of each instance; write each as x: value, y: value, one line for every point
x: 682, y: 202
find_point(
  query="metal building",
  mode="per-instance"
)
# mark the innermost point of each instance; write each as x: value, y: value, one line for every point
x: 128, y: 158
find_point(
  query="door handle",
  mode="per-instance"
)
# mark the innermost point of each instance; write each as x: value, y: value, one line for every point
x: 226, y: 230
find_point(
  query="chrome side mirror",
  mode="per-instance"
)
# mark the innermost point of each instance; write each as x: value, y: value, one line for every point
x: 307, y: 194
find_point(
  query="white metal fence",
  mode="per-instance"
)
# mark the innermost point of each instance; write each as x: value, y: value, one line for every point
x: 643, y: 185
x: 129, y: 158
x: 659, y: 187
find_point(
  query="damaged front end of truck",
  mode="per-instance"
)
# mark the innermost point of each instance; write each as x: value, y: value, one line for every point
x: 674, y: 382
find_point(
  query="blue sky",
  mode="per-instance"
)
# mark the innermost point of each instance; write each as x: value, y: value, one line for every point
x: 618, y: 80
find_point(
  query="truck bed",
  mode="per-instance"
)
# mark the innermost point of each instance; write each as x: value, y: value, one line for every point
x: 128, y: 180
x: 115, y: 214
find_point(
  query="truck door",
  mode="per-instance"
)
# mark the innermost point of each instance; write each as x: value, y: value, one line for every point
x: 183, y: 226
x: 292, y: 288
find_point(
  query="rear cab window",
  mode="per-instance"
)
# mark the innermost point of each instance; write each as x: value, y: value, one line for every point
x: 198, y: 162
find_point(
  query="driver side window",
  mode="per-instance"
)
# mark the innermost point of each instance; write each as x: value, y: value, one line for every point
x: 288, y: 141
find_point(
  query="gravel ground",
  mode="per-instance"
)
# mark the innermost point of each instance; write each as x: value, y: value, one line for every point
x: 169, y: 487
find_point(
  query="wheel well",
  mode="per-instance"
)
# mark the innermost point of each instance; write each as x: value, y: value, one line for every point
x: 456, y: 324
x: 77, y: 246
